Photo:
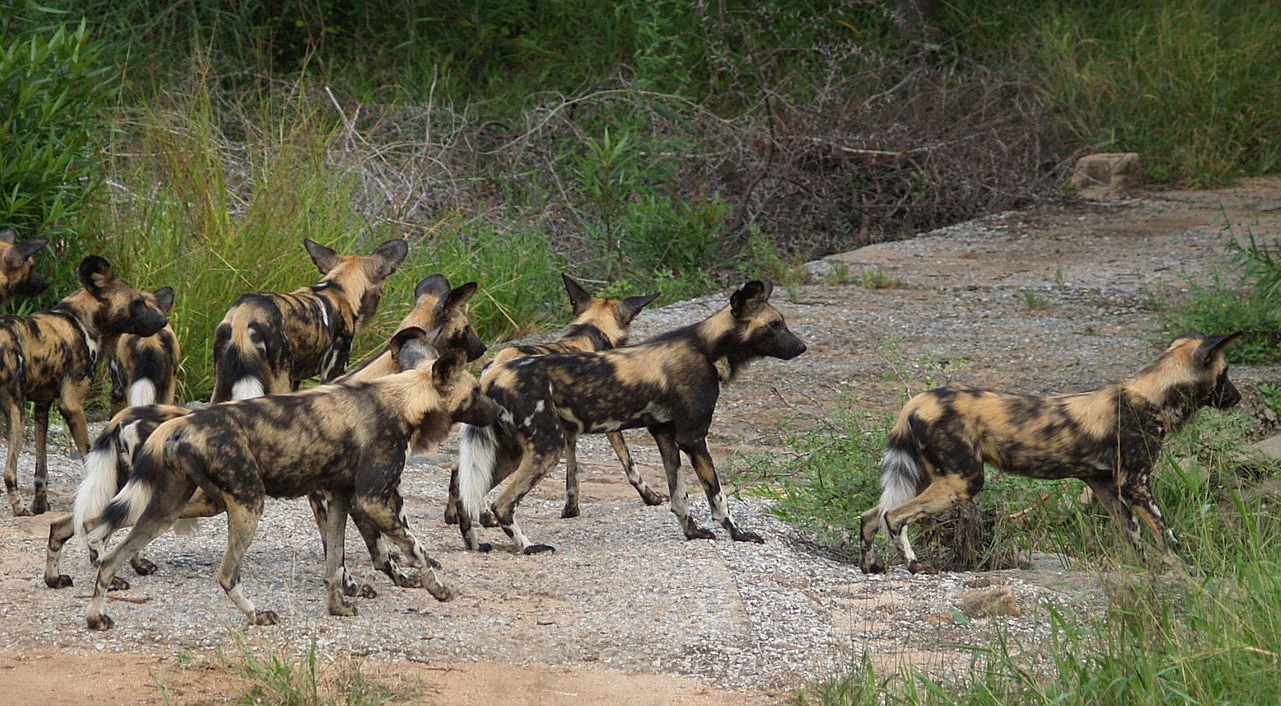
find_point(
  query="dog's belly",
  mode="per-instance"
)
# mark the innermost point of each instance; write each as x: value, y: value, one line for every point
x: 604, y: 421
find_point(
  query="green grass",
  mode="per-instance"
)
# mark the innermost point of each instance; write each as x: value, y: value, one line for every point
x: 281, y: 677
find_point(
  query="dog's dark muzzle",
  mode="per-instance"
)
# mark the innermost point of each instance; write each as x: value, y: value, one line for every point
x: 34, y: 286
x: 787, y: 346
x: 474, y: 346
x: 1225, y: 396
x: 481, y: 413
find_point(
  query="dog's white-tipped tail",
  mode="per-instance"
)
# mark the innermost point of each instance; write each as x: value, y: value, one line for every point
x: 99, y: 485
x: 247, y: 388
x: 477, y: 456
x: 900, y: 478
x: 142, y: 392
x: 123, y: 510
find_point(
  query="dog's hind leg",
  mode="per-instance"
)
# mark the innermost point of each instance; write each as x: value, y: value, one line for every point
x: 571, y: 476
x: 533, y: 467
x: 335, y: 553
x: 386, y: 511
x: 13, y: 414
x: 59, y: 532
x: 944, y: 492
x: 242, y: 523
x: 320, y: 512
x: 162, y: 511
x: 869, y: 525
x: 701, y: 459
x: 40, y: 418
x: 648, y: 495
x: 665, y: 439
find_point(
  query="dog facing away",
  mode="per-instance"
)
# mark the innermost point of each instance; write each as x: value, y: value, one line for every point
x: 438, y: 307
x: 599, y: 324
x: 346, y: 440
x: 268, y: 342
x: 18, y: 276
x: 1109, y: 438
x: 50, y: 357
x: 668, y: 384
x: 144, y: 369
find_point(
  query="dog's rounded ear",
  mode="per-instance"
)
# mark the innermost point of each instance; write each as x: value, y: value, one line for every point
x: 1211, y: 347
x: 432, y: 284
x: 164, y: 298
x: 324, y: 258
x: 411, y: 349
x: 388, y: 257
x: 753, y: 293
x: 632, y: 306
x: 447, y: 367
x: 96, y: 273
x: 579, y: 298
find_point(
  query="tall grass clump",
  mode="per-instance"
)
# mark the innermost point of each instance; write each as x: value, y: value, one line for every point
x: 1189, y: 84
x: 216, y: 217
x: 53, y: 90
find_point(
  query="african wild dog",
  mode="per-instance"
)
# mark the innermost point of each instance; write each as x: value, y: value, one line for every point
x: 17, y: 267
x: 1109, y: 438
x: 668, y: 384
x: 268, y: 342
x: 347, y: 440
x: 438, y: 308
x: 50, y: 356
x: 144, y: 369
x: 599, y: 324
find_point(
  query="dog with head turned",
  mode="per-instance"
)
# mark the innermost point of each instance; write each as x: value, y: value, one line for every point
x: 144, y: 369
x: 346, y: 440
x: 269, y: 342
x: 50, y: 357
x: 438, y: 320
x: 668, y: 385
x: 18, y: 276
x: 599, y: 324
x: 1110, y: 438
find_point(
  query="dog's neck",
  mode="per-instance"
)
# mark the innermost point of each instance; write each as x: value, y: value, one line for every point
x: 588, y: 337
x: 720, y: 341
x: 83, y: 308
x: 336, y: 312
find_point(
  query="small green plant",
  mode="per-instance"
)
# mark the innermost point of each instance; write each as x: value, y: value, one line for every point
x: 876, y: 278
x: 1033, y: 299
x: 280, y: 677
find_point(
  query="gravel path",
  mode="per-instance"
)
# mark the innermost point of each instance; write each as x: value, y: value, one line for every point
x: 625, y: 594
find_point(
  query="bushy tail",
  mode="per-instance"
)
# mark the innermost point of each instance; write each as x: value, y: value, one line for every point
x: 127, y: 506
x: 240, y: 363
x: 102, y: 480
x: 477, y: 458
x: 901, y: 473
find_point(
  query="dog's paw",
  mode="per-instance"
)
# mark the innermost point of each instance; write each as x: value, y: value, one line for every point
x: 143, y: 567
x: 20, y: 511
x: 118, y: 584
x: 487, y: 519
x: 484, y: 547
x: 651, y: 498
x: 875, y: 566
x: 739, y: 535
x: 344, y: 609
x: 570, y: 511
x: 538, y: 549
x: 100, y: 622
x: 39, y: 506
x: 265, y: 617
x: 59, y: 581
x: 920, y: 567
x: 699, y: 533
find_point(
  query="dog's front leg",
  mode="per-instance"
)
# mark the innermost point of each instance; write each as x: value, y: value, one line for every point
x: 701, y: 459
x: 335, y: 553
x: 1139, y: 495
x: 320, y: 512
x: 59, y: 532
x: 13, y: 412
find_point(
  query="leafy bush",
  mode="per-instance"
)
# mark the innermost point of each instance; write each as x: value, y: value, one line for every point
x: 53, y: 91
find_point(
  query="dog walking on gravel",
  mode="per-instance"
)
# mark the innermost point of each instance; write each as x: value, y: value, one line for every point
x: 348, y: 441
x: 1109, y: 438
x: 668, y: 384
